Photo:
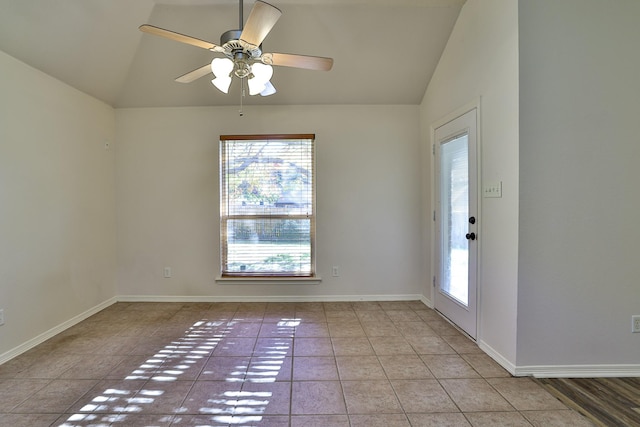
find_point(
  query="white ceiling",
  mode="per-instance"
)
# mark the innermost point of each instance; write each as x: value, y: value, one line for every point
x: 385, y: 51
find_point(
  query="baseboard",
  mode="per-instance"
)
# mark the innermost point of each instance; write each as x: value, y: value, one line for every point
x: 562, y: 371
x: 28, y: 345
x: 579, y: 371
x: 497, y: 357
x: 426, y: 301
x: 275, y: 298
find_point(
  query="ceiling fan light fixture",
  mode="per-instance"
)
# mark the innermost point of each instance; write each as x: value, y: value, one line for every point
x: 259, y: 77
x: 269, y: 89
x: 222, y: 83
x: 242, y: 69
x: 221, y: 67
x: 255, y: 87
x: 262, y: 72
x: 243, y: 51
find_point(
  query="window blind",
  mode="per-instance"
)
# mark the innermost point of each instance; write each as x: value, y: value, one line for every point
x: 267, y: 191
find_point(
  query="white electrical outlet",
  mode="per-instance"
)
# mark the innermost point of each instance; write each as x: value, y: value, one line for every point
x: 167, y: 272
x: 335, y: 271
x: 1, y: 317
x: 635, y: 324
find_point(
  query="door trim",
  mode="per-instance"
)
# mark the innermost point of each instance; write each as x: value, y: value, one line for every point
x: 474, y: 104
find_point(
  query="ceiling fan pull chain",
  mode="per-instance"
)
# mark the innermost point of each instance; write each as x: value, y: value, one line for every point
x: 241, y: 95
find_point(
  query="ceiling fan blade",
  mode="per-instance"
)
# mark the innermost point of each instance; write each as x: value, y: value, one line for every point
x: 171, y: 35
x: 195, y: 74
x: 261, y: 20
x: 298, y: 61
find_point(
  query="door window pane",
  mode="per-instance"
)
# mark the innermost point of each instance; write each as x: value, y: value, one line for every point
x: 454, y: 190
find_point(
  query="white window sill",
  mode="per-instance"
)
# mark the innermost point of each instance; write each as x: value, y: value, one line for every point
x: 268, y: 280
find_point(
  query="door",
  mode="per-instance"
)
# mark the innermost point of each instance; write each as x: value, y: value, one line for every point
x: 457, y: 221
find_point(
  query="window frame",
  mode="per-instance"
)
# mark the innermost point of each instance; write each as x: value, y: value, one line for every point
x: 255, y: 277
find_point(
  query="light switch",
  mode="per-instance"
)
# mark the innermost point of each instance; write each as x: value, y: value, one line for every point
x: 493, y: 189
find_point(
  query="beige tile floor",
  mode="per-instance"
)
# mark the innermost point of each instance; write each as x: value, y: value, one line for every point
x: 268, y: 364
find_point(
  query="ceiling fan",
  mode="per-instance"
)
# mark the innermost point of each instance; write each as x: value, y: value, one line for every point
x: 242, y: 50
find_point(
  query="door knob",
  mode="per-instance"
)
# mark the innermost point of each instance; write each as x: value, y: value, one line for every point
x: 471, y: 236
x: 472, y: 220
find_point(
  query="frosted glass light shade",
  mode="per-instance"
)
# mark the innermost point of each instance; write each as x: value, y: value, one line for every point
x: 269, y: 89
x: 222, y: 83
x: 261, y: 75
x: 262, y: 72
x: 255, y: 86
x: 221, y: 67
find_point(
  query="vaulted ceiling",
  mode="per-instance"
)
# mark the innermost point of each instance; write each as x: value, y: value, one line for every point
x: 385, y: 51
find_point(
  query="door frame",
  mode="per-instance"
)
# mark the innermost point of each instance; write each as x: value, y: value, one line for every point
x: 435, y: 268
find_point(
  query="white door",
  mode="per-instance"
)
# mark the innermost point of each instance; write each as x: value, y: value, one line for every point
x: 457, y: 221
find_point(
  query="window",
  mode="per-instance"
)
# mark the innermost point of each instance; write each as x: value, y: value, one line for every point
x: 267, y: 205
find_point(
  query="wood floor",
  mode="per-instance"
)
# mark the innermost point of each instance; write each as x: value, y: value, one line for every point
x: 605, y: 401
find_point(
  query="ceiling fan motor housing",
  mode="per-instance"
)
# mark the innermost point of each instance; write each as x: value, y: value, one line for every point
x: 231, y: 43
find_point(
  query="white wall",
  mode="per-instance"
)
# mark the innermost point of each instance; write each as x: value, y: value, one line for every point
x: 57, y: 198
x: 579, y: 270
x: 481, y: 62
x: 368, y: 198
x: 558, y: 275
